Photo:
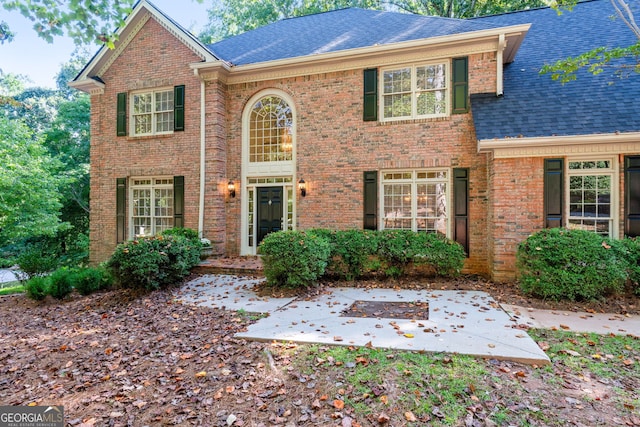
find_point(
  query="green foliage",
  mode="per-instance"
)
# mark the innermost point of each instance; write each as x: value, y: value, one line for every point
x: 84, y: 22
x: 395, y: 248
x: 566, y: 264
x: 443, y: 255
x: 61, y: 282
x: 187, y: 233
x: 37, y: 288
x: 294, y: 258
x: 92, y: 279
x: 628, y: 251
x: 153, y: 262
x: 30, y: 199
x: 35, y: 260
x: 350, y: 251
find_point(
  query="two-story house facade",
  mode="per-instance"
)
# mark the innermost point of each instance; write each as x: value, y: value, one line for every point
x: 346, y: 119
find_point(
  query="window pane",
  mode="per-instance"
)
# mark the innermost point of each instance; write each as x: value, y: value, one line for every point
x: 397, y: 206
x: 164, y: 101
x: 395, y: 81
x: 431, y: 77
x: 432, y: 103
x: 397, y: 106
x: 152, y: 206
x: 270, y: 131
x: 142, y: 103
x: 164, y: 122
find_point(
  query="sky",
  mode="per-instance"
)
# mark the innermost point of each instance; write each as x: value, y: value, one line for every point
x: 40, y: 61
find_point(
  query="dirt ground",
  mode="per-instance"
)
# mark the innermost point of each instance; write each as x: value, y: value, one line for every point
x: 119, y: 359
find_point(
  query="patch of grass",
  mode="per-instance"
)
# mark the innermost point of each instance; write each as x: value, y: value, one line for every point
x: 10, y: 288
x: 251, y: 315
x: 435, y: 388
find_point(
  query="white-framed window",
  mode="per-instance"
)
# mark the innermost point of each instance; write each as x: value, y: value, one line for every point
x: 152, y: 112
x: 591, y: 195
x: 270, y: 130
x: 416, y: 200
x: 415, y: 91
x: 151, y: 202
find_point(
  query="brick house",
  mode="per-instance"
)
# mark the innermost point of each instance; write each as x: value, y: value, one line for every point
x: 425, y: 123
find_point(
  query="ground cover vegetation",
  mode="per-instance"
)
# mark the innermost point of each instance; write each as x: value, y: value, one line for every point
x: 117, y: 357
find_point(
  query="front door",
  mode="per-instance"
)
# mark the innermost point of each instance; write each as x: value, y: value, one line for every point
x: 269, y: 210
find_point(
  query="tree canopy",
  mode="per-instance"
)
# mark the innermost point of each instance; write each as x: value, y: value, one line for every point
x: 624, y: 59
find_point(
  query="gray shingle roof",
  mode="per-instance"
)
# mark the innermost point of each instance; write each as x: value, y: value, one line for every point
x: 335, y: 31
x: 533, y: 105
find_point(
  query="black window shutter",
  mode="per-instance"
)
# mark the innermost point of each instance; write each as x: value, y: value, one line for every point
x: 370, y: 200
x: 178, y: 201
x: 553, y: 192
x: 460, y: 77
x: 121, y: 120
x: 461, y: 207
x: 121, y: 203
x: 370, y: 100
x: 632, y: 196
x: 178, y: 108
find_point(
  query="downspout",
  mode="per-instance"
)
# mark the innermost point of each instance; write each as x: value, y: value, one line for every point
x: 202, y: 159
x: 502, y: 44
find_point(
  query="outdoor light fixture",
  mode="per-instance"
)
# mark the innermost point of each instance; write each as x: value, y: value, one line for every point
x: 302, y: 186
x: 232, y: 189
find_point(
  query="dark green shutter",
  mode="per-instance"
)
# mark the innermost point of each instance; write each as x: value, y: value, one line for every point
x: 371, y: 200
x: 632, y: 196
x: 460, y: 96
x: 553, y: 192
x: 121, y: 203
x: 178, y: 108
x: 121, y: 120
x: 178, y: 201
x: 370, y: 108
x: 461, y: 207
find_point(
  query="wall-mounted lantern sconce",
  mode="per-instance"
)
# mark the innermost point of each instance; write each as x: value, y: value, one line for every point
x: 302, y: 186
x: 232, y: 189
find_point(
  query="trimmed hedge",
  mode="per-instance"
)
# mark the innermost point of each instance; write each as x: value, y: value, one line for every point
x: 89, y: 280
x: 298, y: 259
x: 560, y: 264
x: 154, y: 262
x: 294, y: 258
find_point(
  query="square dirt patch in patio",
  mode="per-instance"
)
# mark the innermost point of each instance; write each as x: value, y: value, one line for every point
x: 388, y: 310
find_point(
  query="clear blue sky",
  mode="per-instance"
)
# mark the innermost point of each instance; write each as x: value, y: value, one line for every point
x: 32, y: 56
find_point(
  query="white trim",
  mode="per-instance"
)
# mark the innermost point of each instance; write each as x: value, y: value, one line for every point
x: 591, y: 144
x: 154, y: 114
x: 285, y: 169
x: 203, y: 145
x: 613, y: 172
x: 414, y: 90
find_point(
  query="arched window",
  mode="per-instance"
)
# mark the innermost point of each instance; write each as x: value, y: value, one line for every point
x: 270, y: 130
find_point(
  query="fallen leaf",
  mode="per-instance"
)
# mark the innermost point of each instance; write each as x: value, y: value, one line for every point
x: 408, y: 335
x: 410, y: 417
x: 201, y: 374
x: 338, y: 404
x: 383, y: 418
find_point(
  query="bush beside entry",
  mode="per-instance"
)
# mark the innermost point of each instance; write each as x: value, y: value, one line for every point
x: 297, y: 258
x: 559, y: 263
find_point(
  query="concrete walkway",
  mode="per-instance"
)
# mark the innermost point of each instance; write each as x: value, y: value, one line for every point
x: 600, y: 323
x: 465, y: 322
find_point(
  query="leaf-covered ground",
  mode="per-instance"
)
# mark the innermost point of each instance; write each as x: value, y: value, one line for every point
x: 115, y: 359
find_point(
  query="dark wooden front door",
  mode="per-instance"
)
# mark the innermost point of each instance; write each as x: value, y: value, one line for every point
x: 269, y: 211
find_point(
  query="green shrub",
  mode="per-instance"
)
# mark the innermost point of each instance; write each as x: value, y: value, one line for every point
x: 37, y: 288
x: 92, y: 279
x: 61, y: 283
x: 395, y: 251
x: 569, y: 264
x: 35, y: 261
x: 628, y: 250
x: 351, y: 251
x: 294, y: 258
x: 445, y: 256
x: 154, y: 262
x: 187, y: 233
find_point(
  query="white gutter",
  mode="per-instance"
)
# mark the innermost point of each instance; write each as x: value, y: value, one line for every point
x: 202, y: 159
x: 502, y: 43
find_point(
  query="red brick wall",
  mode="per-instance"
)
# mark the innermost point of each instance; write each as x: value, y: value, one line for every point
x: 153, y: 59
x: 335, y: 146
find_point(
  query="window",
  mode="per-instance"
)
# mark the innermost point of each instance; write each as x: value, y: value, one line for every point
x: 151, y: 206
x: 589, y: 193
x: 416, y: 200
x: 270, y: 130
x: 152, y: 112
x: 415, y: 92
